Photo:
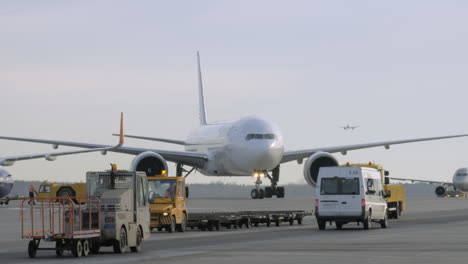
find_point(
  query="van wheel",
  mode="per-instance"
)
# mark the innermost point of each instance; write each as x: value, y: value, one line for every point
x: 384, y: 222
x: 367, y: 222
x: 339, y: 225
x: 321, y: 224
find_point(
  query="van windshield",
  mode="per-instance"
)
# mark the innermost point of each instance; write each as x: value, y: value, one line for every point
x: 339, y: 186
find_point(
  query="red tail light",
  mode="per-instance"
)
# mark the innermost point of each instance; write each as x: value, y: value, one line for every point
x: 363, y: 204
x: 316, y: 204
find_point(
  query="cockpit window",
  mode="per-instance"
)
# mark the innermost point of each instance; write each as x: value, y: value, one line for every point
x: 260, y: 136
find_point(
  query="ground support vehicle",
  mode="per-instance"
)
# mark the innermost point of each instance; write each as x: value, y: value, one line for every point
x: 396, y: 195
x: 50, y: 189
x: 350, y: 194
x: 71, y: 227
x: 116, y: 214
x: 167, y: 203
x: 238, y: 219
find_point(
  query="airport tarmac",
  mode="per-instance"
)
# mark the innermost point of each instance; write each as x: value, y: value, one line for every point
x: 432, y: 230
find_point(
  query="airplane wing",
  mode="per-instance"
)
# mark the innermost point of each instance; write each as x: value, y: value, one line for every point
x: 51, y: 156
x: 422, y: 181
x: 301, y: 154
x: 171, y: 141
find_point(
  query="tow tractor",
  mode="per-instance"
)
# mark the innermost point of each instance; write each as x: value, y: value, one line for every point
x: 115, y: 213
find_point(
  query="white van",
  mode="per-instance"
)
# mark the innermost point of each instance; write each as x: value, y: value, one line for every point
x: 350, y: 194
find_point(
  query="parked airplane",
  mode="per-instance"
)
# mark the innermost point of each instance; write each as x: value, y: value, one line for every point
x: 459, y: 183
x: 250, y: 146
x: 348, y: 127
x: 7, y: 181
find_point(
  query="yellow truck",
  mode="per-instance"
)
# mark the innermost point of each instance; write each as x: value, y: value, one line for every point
x: 51, y: 189
x: 167, y: 203
x: 396, y: 201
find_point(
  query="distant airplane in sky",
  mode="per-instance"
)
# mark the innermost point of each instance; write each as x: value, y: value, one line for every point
x: 348, y: 127
x: 250, y: 146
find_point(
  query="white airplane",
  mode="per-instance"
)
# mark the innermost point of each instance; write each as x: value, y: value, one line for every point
x: 348, y: 127
x: 7, y: 181
x: 250, y: 146
x: 459, y: 183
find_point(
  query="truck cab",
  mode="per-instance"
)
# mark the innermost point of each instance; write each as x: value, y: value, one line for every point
x: 167, y: 203
x: 350, y: 194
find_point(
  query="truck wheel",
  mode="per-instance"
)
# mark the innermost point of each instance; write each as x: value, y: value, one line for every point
x: 77, y: 248
x: 32, y: 249
x: 367, y: 222
x: 321, y: 224
x: 384, y: 222
x: 59, y: 248
x: 67, y: 192
x: 120, y: 246
x: 181, y: 227
x: 172, y: 227
x: 85, y: 244
x: 139, y: 240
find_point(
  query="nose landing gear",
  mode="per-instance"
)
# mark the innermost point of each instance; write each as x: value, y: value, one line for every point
x: 268, y: 192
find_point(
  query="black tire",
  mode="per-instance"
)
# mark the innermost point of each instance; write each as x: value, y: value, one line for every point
x: 235, y: 224
x: 254, y: 194
x: 67, y: 192
x: 268, y: 192
x: 139, y: 241
x: 384, y: 222
x: 321, y: 224
x: 77, y: 248
x: 280, y: 192
x: 210, y: 226
x: 268, y: 222
x: 217, y: 226
x: 182, y: 226
x: 367, y: 223
x: 397, y: 212
x: 261, y: 194
x: 339, y: 225
x: 291, y: 221
x: 159, y: 229
x: 85, y: 245
x: 172, y: 227
x: 228, y: 226
x: 256, y: 224
x: 32, y: 249
x: 59, y: 248
x: 6, y: 202
x: 299, y: 221
x: 248, y: 223
x: 277, y: 222
x: 120, y: 246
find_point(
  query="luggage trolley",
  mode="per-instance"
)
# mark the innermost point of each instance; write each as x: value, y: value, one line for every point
x: 72, y: 226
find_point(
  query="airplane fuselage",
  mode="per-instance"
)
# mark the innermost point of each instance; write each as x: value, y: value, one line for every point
x: 238, y: 148
x: 460, y: 179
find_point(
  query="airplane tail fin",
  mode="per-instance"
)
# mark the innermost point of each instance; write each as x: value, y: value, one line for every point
x: 201, y: 97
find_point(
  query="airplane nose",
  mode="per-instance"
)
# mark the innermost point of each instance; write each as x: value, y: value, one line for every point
x: 264, y: 156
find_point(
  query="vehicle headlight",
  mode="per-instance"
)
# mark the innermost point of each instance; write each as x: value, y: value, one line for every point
x: 165, y: 214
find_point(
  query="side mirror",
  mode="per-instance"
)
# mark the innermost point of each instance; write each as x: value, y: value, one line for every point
x: 387, y: 180
x: 186, y: 192
x: 386, y: 173
x: 387, y: 194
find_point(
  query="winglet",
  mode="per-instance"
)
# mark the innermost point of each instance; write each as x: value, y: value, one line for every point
x: 121, y: 139
x: 201, y: 97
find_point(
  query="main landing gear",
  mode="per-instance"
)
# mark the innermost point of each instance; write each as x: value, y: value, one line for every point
x: 268, y: 192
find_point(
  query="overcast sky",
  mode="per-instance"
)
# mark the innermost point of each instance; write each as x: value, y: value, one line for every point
x: 398, y: 69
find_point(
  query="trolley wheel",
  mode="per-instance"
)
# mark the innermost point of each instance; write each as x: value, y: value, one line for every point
x: 120, y: 246
x: 247, y: 223
x: 256, y: 224
x: 217, y: 226
x: 159, y: 229
x: 139, y: 240
x: 77, y: 248
x: 291, y: 221
x: 299, y: 221
x: 32, y: 249
x: 277, y: 222
x: 59, y: 248
x: 268, y: 222
x: 85, y: 245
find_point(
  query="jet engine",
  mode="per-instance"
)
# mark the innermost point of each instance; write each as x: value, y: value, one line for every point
x: 150, y: 162
x: 440, y: 191
x: 313, y: 164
